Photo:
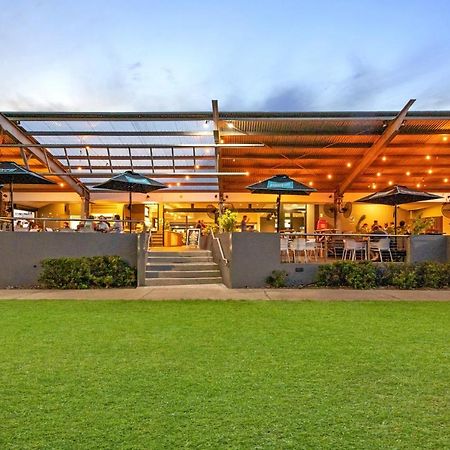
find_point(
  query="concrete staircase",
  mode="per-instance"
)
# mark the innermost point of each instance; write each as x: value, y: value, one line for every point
x: 156, y: 239
x: 175, y: 268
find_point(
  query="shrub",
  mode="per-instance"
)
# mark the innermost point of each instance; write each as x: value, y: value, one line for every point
x: 228, y: 220
x: 366, y: 275
x: 357, y: 275
x: 277, y: 279
x: 86, y: 273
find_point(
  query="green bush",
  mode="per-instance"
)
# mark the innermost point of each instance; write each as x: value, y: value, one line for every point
x: 277, y: 279
x: 357, y: 275
x: 367, y: 275
x: 87, y: 273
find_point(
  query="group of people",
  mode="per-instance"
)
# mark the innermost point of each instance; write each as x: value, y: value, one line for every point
x: 387, y: 228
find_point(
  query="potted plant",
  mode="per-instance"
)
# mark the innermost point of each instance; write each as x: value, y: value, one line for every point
x: 228, y: 221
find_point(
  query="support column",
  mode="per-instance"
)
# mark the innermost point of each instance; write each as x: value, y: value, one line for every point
x: 337, y: 200
x: 85, y: 206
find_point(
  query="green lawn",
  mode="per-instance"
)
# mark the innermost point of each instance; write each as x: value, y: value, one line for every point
x: 241, y: 375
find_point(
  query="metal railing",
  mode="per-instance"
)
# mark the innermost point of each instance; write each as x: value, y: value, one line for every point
x: 327, y: 247
x: 58, y: 224
x: 219, y: 244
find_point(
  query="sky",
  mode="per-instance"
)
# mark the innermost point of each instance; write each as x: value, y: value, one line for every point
x: 258, y: 55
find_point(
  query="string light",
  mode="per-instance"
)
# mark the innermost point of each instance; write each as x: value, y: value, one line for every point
x: 329, y: 176
x: 445, y: 180
x: 418, y: 185
x: 374, y: 186
x: 378, y: 174
x: 310, y: 183
x: 428, y: 157
x: 349, y: 164
x: 445, y: 138
x: 383, y: 158
x: 78, y: 168
x: 178, y: 184
x: 430, y: 171
x: 408, y: 173
x: 61, y: 184
x: 391, y: 183
x: 187, y: 177
x: 197, y: 166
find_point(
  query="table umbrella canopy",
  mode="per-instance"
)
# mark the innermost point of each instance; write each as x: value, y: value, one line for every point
x: 397, y: 195
x: 280, y: 185
x: 131, y: 182
x: 11, y: 173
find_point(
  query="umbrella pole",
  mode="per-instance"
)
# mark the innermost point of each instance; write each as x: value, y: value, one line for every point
x: 129, y: 208
x: 278, y: 212
x: 395, y: 219
x: 11, y: 198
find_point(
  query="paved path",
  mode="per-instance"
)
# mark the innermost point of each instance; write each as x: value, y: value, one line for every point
x: 220, y: 292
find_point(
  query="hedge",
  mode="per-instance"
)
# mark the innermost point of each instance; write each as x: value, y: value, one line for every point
x: 87, y: 273
x: 367, y: 275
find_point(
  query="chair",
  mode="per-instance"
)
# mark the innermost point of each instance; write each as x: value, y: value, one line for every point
x: 351, y: 247
x: 299, y: 245
x: 383, y: 245
x: 284, y: 248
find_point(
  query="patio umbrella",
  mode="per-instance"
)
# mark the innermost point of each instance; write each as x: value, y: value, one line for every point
x: 11, y: 173
x: 131, y: 182
x: 279, y: 185
x: 397, y: 195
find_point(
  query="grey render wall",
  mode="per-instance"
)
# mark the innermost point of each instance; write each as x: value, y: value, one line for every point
x: 255, y: 255
x: 209, y: 243
x: 428, y: 248
x: 21, y: 253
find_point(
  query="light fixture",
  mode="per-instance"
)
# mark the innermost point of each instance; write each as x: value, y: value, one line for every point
x: 383, y: 158
x: 87, y: 147
x: 187, y: 177
x: 418, y: 185
x: 445, y: 180
x: 310, y: 183
x: 374, y: 186
x: 445, y: 138
x: 430, y: 171
x: 197, y: 166
x: 61, y: 184
x: 169, y: 185
x: 428, y: 157
x: 391, y: 183
x: 222, y: 141
x: 408, y: 173
x: 378, y: 174
x: 349, y: 164
x: 78, y: 168
x: 178, y: 184
x: 329, y: 176
x: 247, y: 174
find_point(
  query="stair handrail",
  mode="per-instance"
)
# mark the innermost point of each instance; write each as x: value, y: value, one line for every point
x: 220, y: 247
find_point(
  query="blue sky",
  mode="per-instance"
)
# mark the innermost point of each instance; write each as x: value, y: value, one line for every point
x: 250, y: 55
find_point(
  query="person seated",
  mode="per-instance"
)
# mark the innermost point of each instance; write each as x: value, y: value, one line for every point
x: 89, y: 225
x: 378, y: 232
x: 390, y: 228
x: 375, y: 225
x: 364, y: 229
x: 117, y: 225
x: 66, y: 227
x: 102, y: 225
x: 402, y: 228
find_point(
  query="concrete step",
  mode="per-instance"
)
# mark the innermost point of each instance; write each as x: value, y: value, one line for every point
x: 181, y: 281
x: 186, y: 253
x: 182, y: 274
x: 183, y: 266
x: 178, y: 259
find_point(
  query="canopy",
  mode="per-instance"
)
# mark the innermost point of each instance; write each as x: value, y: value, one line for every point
x: 397, y: 195
x: 12, y: 173
x: 279, y: 185
x: 131, y: 182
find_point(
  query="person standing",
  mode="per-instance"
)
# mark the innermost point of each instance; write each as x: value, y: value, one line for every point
x: 244, y: 223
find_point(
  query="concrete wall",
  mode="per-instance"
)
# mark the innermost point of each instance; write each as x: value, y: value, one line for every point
x: 21, y: 253
x: 255, y: 255
x: 428, y: 248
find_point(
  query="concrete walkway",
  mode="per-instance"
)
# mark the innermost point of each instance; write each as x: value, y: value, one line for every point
x: 220, y: 292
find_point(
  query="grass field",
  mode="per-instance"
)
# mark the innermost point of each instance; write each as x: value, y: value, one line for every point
x: 240, y: 375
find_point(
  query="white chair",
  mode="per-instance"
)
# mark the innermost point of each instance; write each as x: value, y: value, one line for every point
x: 351, y: 247
x: 284, y: 249
x: 298, y: 246
x: 383, y: 245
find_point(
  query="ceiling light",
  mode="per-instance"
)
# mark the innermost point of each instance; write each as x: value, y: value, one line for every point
x: 428, y: 157
x: 408, y: 173
x: 197, y: 166
x: 87, y: 147
x: 247, y: 174
x: 310, y: 183
x: 430, y: 171
x: 383, y: 158
x: 222, y: 141
x: 374, y: 186
x: 349, y: 164
x: 391, y: 183
x: 78, y: 168
x: 178, y: 184
x: 169, y: 185
x: 418, y: 185
x: 61, y: 184
x: 378, y: 174
x: 329, y: 176
x: 445, y: 138
x: 445, y: 180
x: 187, y: 177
